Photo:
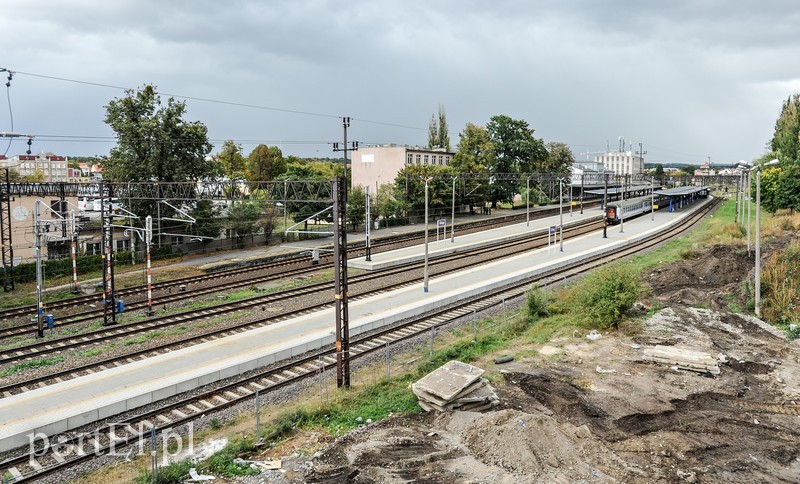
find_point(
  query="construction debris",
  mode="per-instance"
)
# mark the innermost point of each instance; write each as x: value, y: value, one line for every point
x: 682, y: 358
x: 455, y: 386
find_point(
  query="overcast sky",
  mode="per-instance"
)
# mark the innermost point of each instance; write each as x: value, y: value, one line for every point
x: 688, y: 79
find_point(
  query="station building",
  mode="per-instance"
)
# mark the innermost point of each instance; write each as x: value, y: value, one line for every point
x: 622, y: 162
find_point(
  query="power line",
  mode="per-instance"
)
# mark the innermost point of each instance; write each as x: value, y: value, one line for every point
x: 217, y: 101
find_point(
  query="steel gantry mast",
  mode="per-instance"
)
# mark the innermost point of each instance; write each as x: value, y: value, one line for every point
x: 340, y: 185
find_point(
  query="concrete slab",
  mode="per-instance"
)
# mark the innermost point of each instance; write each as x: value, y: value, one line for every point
x: 448, y: 380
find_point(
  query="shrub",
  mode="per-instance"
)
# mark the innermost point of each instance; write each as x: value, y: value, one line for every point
x: 538, y: 301
x: 781, y: 285
x: 607, y: 294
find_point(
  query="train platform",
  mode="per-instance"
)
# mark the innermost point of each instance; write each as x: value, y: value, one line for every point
x: 443, y: 243
x: 70, y: 404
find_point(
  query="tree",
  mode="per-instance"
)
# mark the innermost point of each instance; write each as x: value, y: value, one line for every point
x: 386, y: 203
x: 154, y: 142
x: 313, y: 171
x: 659, y: 173
x: 516, y: 151
x: 207, y: 221
x: 243, y: 219
x: 438, y: 132
x: 36, y: 177
x: 559, y: 159
x: 433, y: 132
x: 410, y: 187
x: 786, y: 140
x: 231, y: 161
x: 473, y: 159
x: 356, y: 206
x: 265, y: 163
x: 443, y: 132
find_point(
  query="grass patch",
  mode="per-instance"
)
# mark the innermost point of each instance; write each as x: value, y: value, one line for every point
x: 144, y: 338
x: 17, y: 342
x: 96, y: 351
x: 27, y: 365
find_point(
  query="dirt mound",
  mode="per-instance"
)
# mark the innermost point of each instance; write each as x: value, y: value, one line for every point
x: 710, y: 278
x: 532, y: 446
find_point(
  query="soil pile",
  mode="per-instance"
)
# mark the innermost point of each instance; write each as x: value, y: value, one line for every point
x: 711, y: 278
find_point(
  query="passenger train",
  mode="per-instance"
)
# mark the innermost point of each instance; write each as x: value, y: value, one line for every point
x: 632, y: 207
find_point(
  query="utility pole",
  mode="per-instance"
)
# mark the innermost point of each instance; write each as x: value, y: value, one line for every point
x: 340, y: 186
x: 6, y: 241
x: 605, y: 202
x: 39, y: 283
x: 74, y: 250
x: 109, y: 298
x: 641, y: 154
x: 148, y: 240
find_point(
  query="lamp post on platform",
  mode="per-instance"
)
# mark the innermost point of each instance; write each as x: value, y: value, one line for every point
x: 453, y: 214
x: 425, y: 272
x: 561, y: 214
x: 528, y: 203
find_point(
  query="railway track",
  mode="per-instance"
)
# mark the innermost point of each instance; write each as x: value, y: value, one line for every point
x: 98, y: 337
x: 62, y: 452
x: 185, y: 285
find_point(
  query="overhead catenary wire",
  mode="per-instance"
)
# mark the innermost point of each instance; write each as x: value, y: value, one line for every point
x: 218, y: 101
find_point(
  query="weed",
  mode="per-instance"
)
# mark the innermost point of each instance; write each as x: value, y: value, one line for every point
x: 538, y: 302
x: 215, y: 423
x: 98, y: 350
x: 144, y: 338
x: 30, y: 364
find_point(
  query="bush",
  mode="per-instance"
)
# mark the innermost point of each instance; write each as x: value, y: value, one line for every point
x: 607, y: 294
x: 538, y: 302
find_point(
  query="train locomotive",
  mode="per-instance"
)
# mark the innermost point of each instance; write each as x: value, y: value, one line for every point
x: 632, y: 207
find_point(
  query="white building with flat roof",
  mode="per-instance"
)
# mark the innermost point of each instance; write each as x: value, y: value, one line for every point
x: 622, y: 162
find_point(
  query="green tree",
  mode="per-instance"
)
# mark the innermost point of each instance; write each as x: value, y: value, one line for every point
x: 265, y: 163
x: 208, y: 223
x: 231, y: 161
x: 356, y: 207
x: 559, y: 158
x: 786, y: 140
x: 154, y: 142
x: 516, y: 151
x: 433, y: 132
x: 386, y: 203
x: 443, y: 131
x: 308, y: 171
x: 659, y: 173
x: 36, y: 177
x: 410, y: 188
x: 243, y: 219
x: 438, y: 131
x: 473, y: 159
